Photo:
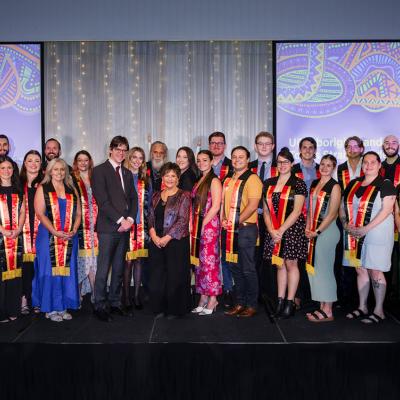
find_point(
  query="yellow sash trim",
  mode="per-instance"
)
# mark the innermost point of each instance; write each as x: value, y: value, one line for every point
x: 232, y: 258
x: 278, y: 261
x: 194, y: 261
x: 60, y: 271
x: 28, y: 257
x: 88, y: 252
x: 14, y: 273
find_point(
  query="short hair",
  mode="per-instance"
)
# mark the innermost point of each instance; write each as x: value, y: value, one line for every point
x: 216, y: 134
x: 331, y: 158
x: 164, y: 146
x: 49, y: 168
x: 241, y: 148
x: 285, y: 153
x: 5, y: 137
x: 117, y: 141
x: 53, y: 140
x: 265, y: 134
x: 170, y: 166
x: 372, y: 153
x: 308, y: 139
x: 358, y: 140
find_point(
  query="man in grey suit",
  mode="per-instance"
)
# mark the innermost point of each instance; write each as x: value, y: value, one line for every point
x: 117, y: 201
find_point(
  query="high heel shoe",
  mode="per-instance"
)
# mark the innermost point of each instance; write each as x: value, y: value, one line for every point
x: 289, y: 310
x: 279, y: 307
x: 199, y: 309
x: 208, y: 311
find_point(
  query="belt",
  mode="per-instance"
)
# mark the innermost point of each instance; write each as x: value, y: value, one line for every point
x: 243, y: 224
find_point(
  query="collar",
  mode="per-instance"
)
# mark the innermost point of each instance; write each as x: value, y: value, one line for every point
x: 268, y: 161
x: 114, y: 164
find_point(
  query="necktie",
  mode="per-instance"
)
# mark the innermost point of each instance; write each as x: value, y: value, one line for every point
x: 117, y: 173
x: 262, y: 171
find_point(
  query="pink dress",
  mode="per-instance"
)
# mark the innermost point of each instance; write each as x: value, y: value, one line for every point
x: 208, y: 279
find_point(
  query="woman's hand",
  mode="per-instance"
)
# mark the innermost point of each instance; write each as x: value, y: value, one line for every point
x: 225, y: 224
x: 156, y: 240
x: 311, y: 234
x: 276, y: 235
x: 360, y: 232
x: 14, y: 233
x: 165, y: 240
x: 62, y: 235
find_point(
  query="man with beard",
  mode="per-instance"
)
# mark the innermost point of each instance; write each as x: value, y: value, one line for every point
x: 5, y: 149
x: 158, y: 157
x: 347, y: 171
x: 391, y: 170
x: 391, y: 165
x: 222, y: 165
x: 351, y: 168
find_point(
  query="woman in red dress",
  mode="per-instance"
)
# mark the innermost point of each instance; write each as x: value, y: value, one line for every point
x: 205, y: 231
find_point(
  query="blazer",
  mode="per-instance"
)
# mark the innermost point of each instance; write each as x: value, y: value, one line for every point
x: 176, y: 214
x: 113, y: 202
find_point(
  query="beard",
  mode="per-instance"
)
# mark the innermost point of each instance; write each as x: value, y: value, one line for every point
x: 50, y: 156
x: 157, y: 164
x: 390, y: 152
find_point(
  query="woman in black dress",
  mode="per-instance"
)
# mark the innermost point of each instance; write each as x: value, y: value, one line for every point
x: 189, y: 171
x: 30, y: 176
x: 12, y: 219
x: 285, y: 241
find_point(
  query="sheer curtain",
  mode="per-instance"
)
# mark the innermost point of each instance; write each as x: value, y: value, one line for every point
x: 177, y: 92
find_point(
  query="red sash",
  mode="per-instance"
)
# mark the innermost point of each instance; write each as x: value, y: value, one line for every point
x: 12, y: 268
x: 28, y: 237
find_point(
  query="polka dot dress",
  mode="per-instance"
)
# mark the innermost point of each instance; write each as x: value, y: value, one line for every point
x: 294, y: 241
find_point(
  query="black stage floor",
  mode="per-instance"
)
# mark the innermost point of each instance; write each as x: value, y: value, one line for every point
x: 144, y: 327
x: 199, y: 357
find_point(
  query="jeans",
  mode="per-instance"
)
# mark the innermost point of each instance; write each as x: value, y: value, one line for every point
x: 244, y: 272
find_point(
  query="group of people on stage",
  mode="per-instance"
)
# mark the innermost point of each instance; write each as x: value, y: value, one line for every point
x: 216, y: 222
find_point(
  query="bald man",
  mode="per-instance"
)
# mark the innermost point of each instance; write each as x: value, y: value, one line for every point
x: 391, y: 165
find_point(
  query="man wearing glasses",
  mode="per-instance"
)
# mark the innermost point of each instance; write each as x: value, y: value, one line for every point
x: 222, y: 165
x: 265, y: 167
x: 117, y: 202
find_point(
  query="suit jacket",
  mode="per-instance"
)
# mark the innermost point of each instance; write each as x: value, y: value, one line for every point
x: 113, y: 202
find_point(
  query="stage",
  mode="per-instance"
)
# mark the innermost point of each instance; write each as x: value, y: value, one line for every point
x: 199, y: 357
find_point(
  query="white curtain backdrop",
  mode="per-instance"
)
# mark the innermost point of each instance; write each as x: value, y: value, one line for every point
x: 177, y: 92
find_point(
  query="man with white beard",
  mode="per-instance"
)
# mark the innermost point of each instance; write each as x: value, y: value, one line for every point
x: 158, y: 157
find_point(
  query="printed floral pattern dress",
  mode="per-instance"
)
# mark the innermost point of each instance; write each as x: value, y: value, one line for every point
x: 208, y: 277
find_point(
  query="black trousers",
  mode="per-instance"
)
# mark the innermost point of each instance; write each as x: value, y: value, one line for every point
x: 28, y: 273
x: 112, y: 251
x: 10, y: 297
x: 169, y: 273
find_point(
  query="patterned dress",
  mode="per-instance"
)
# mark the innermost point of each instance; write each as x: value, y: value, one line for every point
x: 294, y: 240
x: 208, y: 279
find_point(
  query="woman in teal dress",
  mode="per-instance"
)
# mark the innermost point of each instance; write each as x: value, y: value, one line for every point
x: 55, y: 286
x: 323, y: 235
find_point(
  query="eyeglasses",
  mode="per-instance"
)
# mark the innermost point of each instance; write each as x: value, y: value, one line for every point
x: 262, y: 144
x: 217, y: 143
x: 285, y: 162
x: 118, y: 150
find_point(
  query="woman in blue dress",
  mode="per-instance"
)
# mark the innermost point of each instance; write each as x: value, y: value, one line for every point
x: 55, y: 286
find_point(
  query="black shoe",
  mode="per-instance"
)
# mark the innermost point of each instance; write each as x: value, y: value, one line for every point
x: 103, y: 315
x: 279, y: 307
x: 122, y: 312
x: 138, y: 305
x: 289, y: 310
x: 228, y: 299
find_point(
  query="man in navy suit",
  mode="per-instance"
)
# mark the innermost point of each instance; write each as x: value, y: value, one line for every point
x: 117, y: 201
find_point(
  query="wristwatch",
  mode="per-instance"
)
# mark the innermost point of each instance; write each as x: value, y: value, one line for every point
x: 318, y: 232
